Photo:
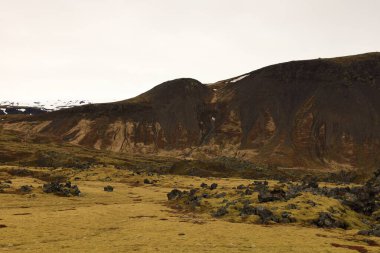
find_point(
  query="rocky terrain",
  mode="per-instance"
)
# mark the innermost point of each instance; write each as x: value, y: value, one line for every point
x: 305, y: 203
x: 282, y: 159
x: 65, y: 210
x: 321, y: 113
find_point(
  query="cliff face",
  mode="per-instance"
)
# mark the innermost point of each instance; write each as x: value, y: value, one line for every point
x: 323, y: 112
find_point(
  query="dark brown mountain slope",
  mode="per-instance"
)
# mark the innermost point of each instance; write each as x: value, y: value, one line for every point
x: 314, y: 113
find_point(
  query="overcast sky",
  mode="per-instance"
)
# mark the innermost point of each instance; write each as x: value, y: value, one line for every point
x: 107, y: 50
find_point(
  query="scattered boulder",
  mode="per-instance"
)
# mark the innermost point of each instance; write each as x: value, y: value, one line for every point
x: 147, y: 181
x: 248, y: 191
x: 221, y: 212
x: 174, y: 194
x: 206, y: 196
x: 371, y: 232
x: 365, y: 232
x: 65, y: 190
x: 287, y: 217
x: 310, y: 182
x: 248, y: 210
x: 274, y: 195
x: 220, y: 195
x: 204, y: 185
x: 192, y: 200
x: 193, y: 191
x: 108, y: 188
x: 26, y: 189
x: 259, y: 186
x: 326, y: 220
x: 213, y: 186
x: 311, y: 203
x: 265, y: 214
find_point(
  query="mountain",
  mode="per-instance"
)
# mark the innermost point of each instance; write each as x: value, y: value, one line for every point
x: 321, y: 113
x: 37, y: 107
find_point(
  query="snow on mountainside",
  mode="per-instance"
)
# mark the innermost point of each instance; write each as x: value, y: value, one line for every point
x: 35, y: 107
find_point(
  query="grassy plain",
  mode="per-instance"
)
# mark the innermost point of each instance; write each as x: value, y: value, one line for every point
x: 136, y: 217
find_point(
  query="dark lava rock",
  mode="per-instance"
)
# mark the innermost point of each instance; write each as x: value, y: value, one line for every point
x: 221, y: 212
x: 65, y: 190
x: 213, y: 186
x: 26, y: 189
x: 265, y: 214
x: 191, y: 201
x: 259, y: 186
x: 203, y: 185
x: 174, y: 194
x: 326, y: 220
x: 108, y: 188
x: 248, y: 191
x: 287, y: 217
x: 193, y: 191
x: 313, y: 184
x: 374, y: 182
x: 363, y: 199
x: 206, y: 196
x: 372, y: 232
x: 248, y: 210
x: 220, y: 195
x: 274, y: 195
x: 364, y: 232
x: 310, y: 182
x: 310, y: 202
x: 147, y: 181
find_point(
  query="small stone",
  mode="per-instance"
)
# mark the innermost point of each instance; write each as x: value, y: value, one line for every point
x: 174, y: 194
x: 204, y: 185
x: 213, y: 186
x: 108, y: 188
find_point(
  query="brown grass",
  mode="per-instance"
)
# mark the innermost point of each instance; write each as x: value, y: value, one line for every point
x: 101, y: 221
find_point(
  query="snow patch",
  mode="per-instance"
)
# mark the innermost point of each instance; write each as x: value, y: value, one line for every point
x: 238, y: 78
x: 44, y: 105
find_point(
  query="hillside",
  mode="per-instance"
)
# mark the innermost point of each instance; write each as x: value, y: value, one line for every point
x: 322, y: 113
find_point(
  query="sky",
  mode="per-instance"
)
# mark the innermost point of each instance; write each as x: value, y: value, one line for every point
x: 109, y: 50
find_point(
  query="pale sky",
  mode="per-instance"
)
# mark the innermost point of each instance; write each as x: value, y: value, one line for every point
x: 107, y: 50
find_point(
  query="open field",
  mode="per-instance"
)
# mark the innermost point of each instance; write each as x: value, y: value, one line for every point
x: 136, y: 217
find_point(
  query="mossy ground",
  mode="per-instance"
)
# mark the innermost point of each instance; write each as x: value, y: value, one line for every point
x: 307, y: 206
x: 136, y: 217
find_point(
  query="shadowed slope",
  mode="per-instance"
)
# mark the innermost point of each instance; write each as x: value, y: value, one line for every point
x: 319, y: 112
